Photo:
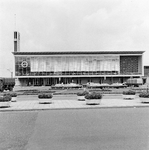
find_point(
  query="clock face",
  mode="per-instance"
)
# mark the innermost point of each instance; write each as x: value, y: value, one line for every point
x: 24, y: 64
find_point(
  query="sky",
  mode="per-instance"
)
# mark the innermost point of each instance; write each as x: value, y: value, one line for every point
x: 48, y: 25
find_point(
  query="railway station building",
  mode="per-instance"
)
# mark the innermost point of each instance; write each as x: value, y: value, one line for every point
x: 80, y: 67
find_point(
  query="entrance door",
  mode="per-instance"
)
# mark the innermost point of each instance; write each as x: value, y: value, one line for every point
x: 38, y: 82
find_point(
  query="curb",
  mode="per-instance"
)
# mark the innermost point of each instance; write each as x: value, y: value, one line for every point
x: 65, y: 108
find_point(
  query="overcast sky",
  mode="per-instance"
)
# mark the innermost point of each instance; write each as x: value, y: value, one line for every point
x: 46, y: 25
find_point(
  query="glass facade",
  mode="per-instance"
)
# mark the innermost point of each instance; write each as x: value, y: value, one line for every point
x: 22, y: 66
x: 65, y: 65
x: 75, y: 65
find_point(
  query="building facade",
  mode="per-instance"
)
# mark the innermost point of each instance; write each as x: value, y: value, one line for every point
x: 53, y: 67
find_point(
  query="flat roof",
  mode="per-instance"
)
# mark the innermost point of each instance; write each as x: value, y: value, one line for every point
x: 78, y: 52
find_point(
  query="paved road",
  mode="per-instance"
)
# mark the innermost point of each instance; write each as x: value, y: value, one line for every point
x: 16, y: 129
x: 83, y: 129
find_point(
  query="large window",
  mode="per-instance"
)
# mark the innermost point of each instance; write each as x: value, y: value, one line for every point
x: 22, y: 66
x: 66, y: 65
x: 74, y: 63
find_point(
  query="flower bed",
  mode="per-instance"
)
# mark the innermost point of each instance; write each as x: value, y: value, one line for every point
x: 81, y: 95
x: 93, y: 98
x: 129, y: 94
x: 5, y: 101
x: 144, y: 97
x: 14, y: 96
x: 45, y: 98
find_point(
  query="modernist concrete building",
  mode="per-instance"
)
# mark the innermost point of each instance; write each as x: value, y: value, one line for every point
x: 52, y: 67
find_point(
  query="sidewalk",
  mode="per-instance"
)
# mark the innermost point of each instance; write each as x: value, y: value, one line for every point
x: 73, y: 104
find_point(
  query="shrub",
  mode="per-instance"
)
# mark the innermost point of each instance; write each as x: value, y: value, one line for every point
x: 5, y: 94
x: 82, y: 93
x: 13, y: 94
x: 130, y: 92
x: 45, y: 95
x: 93, y: 95
x: 5, y: 98
x: 144, y: 95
